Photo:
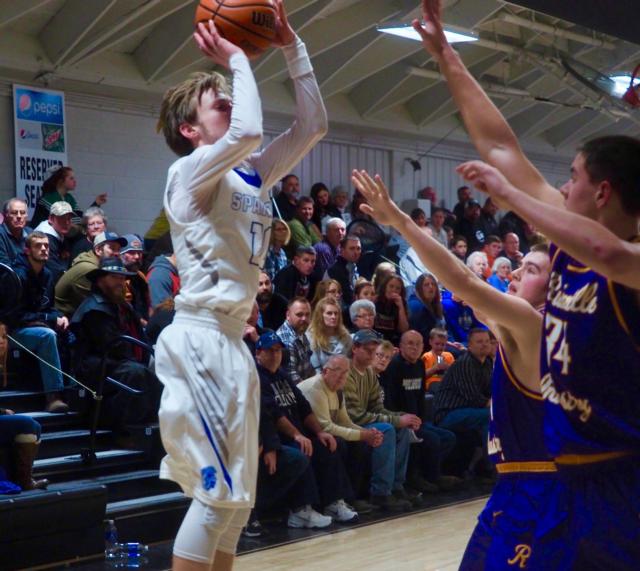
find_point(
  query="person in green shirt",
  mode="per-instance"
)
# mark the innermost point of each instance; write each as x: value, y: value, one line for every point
x: 303, y: 231
x: 58, y: 185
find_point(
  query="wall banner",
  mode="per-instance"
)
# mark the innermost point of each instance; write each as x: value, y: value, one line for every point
x: 40, y: 138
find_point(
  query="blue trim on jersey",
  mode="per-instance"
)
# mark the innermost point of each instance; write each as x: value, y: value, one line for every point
x: 252, y: 179
x: 227, y: 477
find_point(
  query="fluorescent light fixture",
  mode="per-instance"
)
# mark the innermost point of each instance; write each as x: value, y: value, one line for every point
x: 621, y: 83
x: 406, y: 31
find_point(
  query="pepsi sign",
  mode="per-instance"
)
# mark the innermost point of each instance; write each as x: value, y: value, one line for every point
x: 39, y: 106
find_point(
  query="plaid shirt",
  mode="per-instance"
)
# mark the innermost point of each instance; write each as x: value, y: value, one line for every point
x: 274, y: 262
x: 298, y: 365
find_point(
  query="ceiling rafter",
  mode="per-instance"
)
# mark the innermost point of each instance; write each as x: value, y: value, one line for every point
x: 332, y: 34
x: 12, y: 11
x: 147, y: 16
x: 301, y: 20
x: 73, y: 22
x: 165, y: 41
x: 188, y: 57
x: 367, y: 95
x: 436, y: 102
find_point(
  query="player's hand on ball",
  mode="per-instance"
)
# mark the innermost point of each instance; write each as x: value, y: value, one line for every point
x: 284, y: 32
x: 213, y: 45
x: 379, y: 203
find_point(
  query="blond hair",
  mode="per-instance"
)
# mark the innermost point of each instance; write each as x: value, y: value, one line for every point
x: 321, y: 290
x: 320, y: 337
x: 180, y: 105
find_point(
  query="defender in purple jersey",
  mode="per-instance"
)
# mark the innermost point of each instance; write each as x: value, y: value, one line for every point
x: 590, y: 426
x: 507, y: 526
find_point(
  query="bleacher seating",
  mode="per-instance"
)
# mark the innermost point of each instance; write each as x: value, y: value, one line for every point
x: 122, y: 484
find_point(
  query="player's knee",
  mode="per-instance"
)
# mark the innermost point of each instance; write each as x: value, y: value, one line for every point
x: 201, y: 531
x: 229, y: 539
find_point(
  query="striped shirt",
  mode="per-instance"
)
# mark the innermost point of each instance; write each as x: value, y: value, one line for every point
x: 466, y: 384
x: 364, y: 401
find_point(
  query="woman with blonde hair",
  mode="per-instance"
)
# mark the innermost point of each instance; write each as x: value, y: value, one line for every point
x: 327, y: 288
x: 327, y: 334
x: 276, y: 258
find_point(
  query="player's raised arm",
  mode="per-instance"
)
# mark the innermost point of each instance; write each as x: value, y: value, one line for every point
x: 211, y: 130
x: 585, y: 239
x: 310, y: 123
x: 489, y: 131
x: 505, y: 310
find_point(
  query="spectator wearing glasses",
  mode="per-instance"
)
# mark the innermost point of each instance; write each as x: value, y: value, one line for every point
x: 362, y: 313
x: 327, y: 288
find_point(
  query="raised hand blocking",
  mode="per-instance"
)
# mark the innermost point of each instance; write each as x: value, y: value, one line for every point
x: 379, y: 203
x: 431, y: 32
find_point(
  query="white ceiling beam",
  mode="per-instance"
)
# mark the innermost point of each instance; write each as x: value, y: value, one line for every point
x: 369, y: 95
x: 188, y: 58
x: 565, y: 128
x: 329, y: 33
x: 10, y: 11
x: 74, y: 21
x: 582, y: 132
x: 164, y: 42
x: 146, y: 16
x: 371, y: 52
x: 301, y: 20
x: 118, y: 18
x: 436, y: 102
x: 531, y: 24
x: 388, y: 87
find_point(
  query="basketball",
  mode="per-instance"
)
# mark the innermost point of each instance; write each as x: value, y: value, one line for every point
x: 249, y: 24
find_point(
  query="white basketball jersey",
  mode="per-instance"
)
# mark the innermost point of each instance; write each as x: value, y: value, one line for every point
x: 219, y: 255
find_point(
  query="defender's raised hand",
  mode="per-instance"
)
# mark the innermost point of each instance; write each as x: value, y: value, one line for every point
x: 489, y: 180
x: 431, y: 32
x: 379, y: 203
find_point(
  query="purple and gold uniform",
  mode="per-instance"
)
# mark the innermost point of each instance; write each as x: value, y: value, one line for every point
x: 503, y: 537
x: 590, y: 368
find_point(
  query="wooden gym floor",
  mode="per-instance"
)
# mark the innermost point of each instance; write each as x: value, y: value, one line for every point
x: 433, y: 540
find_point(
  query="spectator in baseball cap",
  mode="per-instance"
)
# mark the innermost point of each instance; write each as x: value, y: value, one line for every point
x: 74, y: 286
x: 137, y: 288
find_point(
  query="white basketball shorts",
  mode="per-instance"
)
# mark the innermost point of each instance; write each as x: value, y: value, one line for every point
x: 209, y: 412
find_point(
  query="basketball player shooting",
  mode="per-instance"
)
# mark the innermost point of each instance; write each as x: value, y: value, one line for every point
x: 527, y: 479
x: 219, y: 210
x: 590, y: 354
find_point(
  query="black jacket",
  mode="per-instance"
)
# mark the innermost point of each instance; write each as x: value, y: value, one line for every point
x: 290, y: 283
x: 36, y: 303
x: 97, y: 324
x: 10, y: 248
x: 340, y: 272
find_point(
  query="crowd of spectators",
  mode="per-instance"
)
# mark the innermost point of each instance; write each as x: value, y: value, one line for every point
x: 370, y: 379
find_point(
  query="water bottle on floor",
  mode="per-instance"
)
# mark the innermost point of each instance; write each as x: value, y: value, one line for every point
x: 122, y: 554
x: 111, y: 546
